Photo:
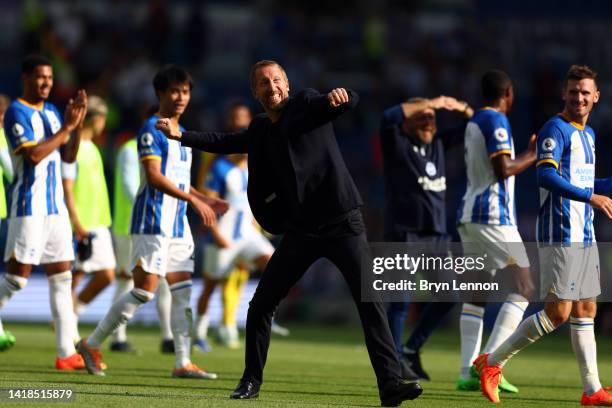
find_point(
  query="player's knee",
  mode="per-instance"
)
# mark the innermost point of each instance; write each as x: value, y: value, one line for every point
x: 558, y: 316
x: 584, y: 309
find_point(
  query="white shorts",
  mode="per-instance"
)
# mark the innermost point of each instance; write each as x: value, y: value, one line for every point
x: 123, y: 246
x: 502, y: 244
x: 219, y: 262
x: 160, y: 255
x: 570, y: 273
x: 35, y: 240
x: 102, y: 254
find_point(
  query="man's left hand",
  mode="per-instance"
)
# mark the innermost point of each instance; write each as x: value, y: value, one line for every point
x: 337, y: 97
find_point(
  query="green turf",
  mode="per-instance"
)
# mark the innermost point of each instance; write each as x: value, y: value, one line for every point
x: 316, y: 366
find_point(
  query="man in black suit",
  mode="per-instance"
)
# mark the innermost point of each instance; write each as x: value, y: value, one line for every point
x: 299, y: 186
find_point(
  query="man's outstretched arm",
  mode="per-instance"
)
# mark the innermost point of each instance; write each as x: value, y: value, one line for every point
x: 213, y: 142
x: 327, y: 107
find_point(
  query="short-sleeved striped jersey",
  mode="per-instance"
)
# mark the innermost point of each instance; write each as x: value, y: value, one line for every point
x: 230, y: 182
x: 154, y: 212
x: 570, y: 148
x: 36, y: 189
x: 487, y: 199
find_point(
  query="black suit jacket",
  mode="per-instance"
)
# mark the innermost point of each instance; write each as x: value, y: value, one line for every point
x: 297, y: 177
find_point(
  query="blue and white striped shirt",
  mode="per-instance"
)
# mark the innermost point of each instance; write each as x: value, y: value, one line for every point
x: 487, y: 199
x: 570, y: 148
x: 36, y: 190
x: 154, y: 212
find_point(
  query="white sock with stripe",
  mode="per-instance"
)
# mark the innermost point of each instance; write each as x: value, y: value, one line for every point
x: 164, y: 304
x: 509, y: 317
x: 201, y: 326
x: 9, y: 285
x: 60, y: 299
x: 122, y: 286
x: 470, y: 327
x: 181, y: 321
x: 530, y: 330
x: 585, y: 349
x: 120, y: 313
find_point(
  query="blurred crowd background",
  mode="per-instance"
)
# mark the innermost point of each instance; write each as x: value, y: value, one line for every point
x: 387, y: 51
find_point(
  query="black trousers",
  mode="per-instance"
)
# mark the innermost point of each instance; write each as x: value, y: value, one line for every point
x: 344, y: 246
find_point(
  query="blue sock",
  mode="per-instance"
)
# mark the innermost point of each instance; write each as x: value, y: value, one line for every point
x: 396, y: 314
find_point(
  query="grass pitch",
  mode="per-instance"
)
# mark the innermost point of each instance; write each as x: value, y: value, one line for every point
x: 315, y: 367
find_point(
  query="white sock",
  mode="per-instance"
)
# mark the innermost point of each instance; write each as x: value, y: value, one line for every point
x: 232, y: 331
x: 181, y: 321
x: 10, y: 285
x: 530, y: 330
x: 122, y: 286
x: 201, y: 326
x: 509, y: 317
x: 120, y: 312
x: 470, y: 326
x: 164, y: 303
x: 79, y: 307
x: 60, y: 298
x: 585, y: 349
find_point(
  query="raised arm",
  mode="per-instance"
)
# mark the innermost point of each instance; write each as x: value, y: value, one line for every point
x: 77, y: 107
x: 23, y: 141
x: 213, y: 142
x: 327, y: 107
x: 410, y: 108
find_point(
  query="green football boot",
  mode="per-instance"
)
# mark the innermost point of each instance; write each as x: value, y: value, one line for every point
x: 7, y: 340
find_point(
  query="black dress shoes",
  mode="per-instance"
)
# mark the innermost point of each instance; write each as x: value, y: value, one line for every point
x: 393, y: 395
x: 408, y: 373
x: 246, y: 389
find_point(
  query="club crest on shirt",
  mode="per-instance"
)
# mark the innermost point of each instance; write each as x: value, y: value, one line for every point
x: 146, y: 139
x: 430, y: 169
x: 549, y: 144
x: 501, y: 134
x: 18, y: 130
